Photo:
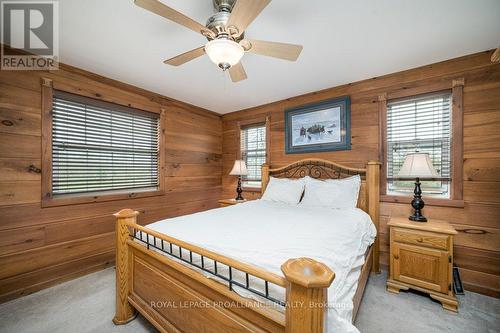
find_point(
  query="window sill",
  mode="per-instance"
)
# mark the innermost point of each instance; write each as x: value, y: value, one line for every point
x: 429, y: 201
x: 251, y: 189
x: 75, y: 199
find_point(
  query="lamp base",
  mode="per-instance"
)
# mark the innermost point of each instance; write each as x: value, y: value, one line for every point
x: 418, y: 204
x: 239, y: 191
x: 418, y: 218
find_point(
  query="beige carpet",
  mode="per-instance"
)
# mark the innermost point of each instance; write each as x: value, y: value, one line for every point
x: 87, y: 305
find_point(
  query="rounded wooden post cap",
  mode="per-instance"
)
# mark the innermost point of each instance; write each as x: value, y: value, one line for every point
x: 125, y: 213
x: 308, y: 273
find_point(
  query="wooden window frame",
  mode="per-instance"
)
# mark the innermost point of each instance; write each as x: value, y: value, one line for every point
x: 255, y: 121
x: 47, y: 89
x: 456, y: 86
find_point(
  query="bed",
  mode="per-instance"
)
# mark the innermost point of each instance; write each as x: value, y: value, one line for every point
x: 194, y: 273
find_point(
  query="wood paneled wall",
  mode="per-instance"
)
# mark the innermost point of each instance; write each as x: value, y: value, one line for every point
x: 477, y: 246
x: 40, y: 247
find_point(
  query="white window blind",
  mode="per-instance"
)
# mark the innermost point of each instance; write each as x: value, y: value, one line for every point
x: 420, y: 124
x: 98, y: 146
x: 253, y: 152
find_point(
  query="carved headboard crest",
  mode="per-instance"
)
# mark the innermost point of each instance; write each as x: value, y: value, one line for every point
x: 316, y: 168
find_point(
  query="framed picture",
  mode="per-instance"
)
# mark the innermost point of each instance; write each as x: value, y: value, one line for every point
x: 319, y: 127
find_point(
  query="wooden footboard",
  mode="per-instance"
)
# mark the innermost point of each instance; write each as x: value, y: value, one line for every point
x: 174, y: 297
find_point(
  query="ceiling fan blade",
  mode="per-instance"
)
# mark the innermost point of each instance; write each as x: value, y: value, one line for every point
x: 273, y: 49
x: 185, y: 57
x: 244, y: 12
x: 237, y: 72
x: 159, y: 8
x: 495, y: 57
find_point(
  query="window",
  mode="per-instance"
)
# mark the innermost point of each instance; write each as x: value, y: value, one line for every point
x: 253, y: 152
x: 102, y: 148
x: 420, y: 124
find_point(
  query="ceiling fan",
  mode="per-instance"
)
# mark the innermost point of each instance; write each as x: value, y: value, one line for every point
x: 225, y: 32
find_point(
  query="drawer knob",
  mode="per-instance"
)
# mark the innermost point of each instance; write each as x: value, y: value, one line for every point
x: 396, y: 257
x: 420, y: 239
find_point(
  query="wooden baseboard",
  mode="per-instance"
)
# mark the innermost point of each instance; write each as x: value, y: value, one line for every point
x: 57, y: 275
x: 480, y: 282
x: 483, y: 290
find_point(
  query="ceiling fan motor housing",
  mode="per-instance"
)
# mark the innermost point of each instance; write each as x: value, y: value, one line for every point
x: 218, y: 22
x: 223, y: 5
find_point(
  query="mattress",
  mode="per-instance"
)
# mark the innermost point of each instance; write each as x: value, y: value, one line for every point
x: 266, y: 234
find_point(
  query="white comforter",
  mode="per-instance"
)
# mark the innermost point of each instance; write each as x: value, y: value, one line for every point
x: 266, y: 234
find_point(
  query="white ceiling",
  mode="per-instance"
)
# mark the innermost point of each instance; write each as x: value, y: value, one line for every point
x: 344, y: 41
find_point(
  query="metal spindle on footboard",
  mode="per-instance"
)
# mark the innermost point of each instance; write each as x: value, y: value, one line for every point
x: 159, y: 244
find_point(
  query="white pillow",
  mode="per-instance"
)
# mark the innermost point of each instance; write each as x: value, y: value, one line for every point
x: 284, y: 190
x: 332, y: 193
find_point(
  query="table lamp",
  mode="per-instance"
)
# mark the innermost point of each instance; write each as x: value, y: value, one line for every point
x: 239, y: 169
x: 417, y: 165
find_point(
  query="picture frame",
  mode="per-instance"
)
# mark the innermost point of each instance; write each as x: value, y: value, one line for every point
x: 319, y: 127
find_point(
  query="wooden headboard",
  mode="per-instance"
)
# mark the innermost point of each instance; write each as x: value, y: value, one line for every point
x: 369, y: 193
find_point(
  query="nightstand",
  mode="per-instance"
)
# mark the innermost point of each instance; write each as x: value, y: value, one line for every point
x: 421, y: 258
x: 229, y: 202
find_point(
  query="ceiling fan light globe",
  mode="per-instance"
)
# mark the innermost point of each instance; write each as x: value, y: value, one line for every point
x: 224, y: 52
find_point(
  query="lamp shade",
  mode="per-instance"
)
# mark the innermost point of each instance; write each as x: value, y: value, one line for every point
x: 224, y: 52
x: 239, y: 168
x: 418, y: 165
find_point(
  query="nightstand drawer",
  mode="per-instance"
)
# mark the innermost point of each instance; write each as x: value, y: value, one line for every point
x: 421, y: 238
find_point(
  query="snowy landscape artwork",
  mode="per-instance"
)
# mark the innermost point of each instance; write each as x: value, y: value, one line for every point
x: 316, y: 127
x: 320, y: 126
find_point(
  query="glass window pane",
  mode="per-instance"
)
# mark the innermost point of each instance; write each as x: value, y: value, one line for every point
x: 98, y: 149
x: 420, y: 124
x: 253, y: 152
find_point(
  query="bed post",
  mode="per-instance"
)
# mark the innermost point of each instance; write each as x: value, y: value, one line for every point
x: 373, y: 183
x: 306, y: 295
x: 124, y: 311
x: 265, y: 177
